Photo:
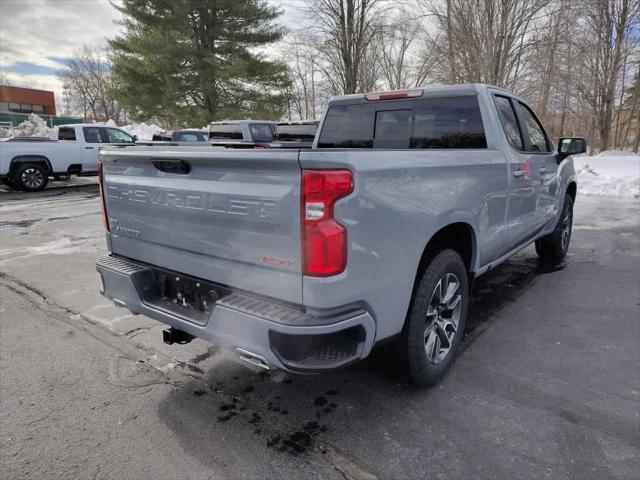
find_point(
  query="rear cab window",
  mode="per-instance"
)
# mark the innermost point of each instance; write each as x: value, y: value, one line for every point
x: 261, y: 132
x: 189, y: 137
x: 426, y: 123
x: 225, y: 132
x: 67, y: 133
x: 304, y: 132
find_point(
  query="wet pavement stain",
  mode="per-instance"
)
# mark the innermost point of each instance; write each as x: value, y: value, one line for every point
x: 18, y: 223
x: 227, y: 417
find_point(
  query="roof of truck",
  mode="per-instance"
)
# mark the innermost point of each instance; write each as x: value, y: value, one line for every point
x: 89, y: 125
x: 456, y: 89
x: 239, y: 122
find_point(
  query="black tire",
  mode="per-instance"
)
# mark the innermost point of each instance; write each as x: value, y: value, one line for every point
x: 31, y: 177
x: 553, y: 247
x: 7, y: 181
x: 61, y: 176
x: 421, y: 358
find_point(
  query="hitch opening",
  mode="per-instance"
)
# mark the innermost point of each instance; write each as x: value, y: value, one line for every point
x: 172, y: 335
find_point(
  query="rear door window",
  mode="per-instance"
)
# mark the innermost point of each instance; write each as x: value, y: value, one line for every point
x: 93, y: 135
x: 534, y: 131
x: 445, y: 123
x: 348, y: 126
x: 509, y: 122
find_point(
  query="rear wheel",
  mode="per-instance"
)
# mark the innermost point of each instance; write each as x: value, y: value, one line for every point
x: 436, y: 321
x: 554, y: 246
x: 31, y: 177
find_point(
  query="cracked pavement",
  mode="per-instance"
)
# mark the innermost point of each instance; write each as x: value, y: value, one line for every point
x: 548, y: 384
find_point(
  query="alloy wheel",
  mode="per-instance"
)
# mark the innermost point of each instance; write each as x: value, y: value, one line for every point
x: 32, y: 178
x: 443, y: 315
x: 566, y: 229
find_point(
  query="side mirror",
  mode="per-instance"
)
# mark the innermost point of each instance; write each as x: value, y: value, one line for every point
x: 571, y: 146
x: 135, y: 138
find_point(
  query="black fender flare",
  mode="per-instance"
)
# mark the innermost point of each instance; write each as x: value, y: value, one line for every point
x: 30, y: 159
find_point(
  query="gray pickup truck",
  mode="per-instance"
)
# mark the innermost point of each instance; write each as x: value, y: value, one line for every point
x: 305, y: 260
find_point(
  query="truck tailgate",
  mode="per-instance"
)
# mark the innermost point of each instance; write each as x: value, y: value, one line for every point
x: 226, y: 216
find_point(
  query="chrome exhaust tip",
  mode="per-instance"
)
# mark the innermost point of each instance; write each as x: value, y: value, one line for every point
x: 252, y: 358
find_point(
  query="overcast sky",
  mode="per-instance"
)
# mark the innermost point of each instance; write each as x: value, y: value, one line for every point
x: 37, y: 37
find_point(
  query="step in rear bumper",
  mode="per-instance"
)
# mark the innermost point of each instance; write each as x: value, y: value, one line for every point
x: 285, y: 337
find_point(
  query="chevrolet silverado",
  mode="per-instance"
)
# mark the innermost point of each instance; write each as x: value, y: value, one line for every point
x: 304, y: 260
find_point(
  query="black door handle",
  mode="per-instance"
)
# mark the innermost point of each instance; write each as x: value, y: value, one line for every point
x: 88, y: 148
x: 172, y: 166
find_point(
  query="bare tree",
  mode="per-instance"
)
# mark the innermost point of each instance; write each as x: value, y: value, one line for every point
x: 87, y: 79
x: 306, y: 95
x: 487, y: 41
x: 346, y: 31
x: 576, y: 61
x: 405, y: 62
x: 608, y: 23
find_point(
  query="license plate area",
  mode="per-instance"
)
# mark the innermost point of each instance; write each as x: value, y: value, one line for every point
x: 186, y: 297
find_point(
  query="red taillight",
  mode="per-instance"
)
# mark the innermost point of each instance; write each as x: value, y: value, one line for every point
x: 394, y: 95
x: 324, y: 241
x: 103, y: 200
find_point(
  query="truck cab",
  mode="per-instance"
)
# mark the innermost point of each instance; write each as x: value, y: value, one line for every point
x: 27, y: 163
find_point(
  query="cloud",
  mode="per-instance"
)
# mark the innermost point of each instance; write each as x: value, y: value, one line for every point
x: 37, y: 37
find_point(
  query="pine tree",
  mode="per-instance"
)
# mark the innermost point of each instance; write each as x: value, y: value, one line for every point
x: 188, y: 62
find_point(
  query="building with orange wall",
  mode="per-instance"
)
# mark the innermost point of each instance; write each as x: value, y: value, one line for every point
x: 27, y: 100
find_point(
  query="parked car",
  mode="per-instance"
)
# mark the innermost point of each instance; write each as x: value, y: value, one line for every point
x: 27, y: 163
x: 303, y: 260
x: 242, y: 133
x: 183, y: 136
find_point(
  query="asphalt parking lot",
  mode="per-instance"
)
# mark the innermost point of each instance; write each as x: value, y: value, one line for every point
x: 547, y: 385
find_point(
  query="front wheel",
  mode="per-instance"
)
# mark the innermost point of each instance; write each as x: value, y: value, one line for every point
x: 554, y: 246
x: 436, y: 321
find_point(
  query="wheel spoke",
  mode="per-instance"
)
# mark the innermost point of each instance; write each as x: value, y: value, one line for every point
x: 444, y: 340
x: 452, y: 288
x: 431, y: 344
x: 437, y: 294
x: 450, y: 325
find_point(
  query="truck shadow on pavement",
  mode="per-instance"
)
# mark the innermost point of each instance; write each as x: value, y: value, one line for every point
x: 258, y: 412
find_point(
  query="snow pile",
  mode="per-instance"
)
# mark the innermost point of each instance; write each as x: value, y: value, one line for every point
x: 142, y: 130
x: 33, y: 127
x: 612, y: 173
